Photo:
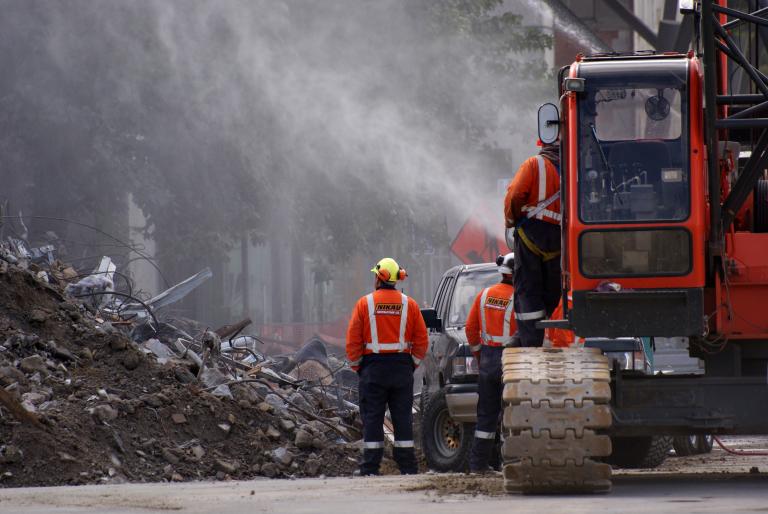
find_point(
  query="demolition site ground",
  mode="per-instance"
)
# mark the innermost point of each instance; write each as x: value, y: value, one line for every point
x: 637, y: 492
x: 90, y: 398
x: 80, y: 403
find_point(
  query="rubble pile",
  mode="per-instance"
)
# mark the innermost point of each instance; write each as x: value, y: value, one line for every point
x: 98, y: 389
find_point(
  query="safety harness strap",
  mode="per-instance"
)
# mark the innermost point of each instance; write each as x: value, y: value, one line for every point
x: 540, y: 209
x: 545, y: 256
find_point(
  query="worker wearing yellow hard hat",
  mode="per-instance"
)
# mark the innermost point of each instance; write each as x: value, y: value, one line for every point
x: 386, y: 340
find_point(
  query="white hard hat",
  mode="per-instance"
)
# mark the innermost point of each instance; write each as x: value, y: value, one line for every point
x: 506, y: 263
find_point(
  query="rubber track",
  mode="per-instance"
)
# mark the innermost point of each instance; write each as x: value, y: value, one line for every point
x: 556, y: 402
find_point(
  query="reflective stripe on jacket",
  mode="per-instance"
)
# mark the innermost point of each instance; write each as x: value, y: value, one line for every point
x: 491, y: 321
x: 386, y: 321
x: 534, y: 192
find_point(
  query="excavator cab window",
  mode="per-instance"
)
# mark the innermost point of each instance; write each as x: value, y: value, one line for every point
x: 633, y: 160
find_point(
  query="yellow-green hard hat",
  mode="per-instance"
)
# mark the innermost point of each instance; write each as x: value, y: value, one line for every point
x: 388, y: 270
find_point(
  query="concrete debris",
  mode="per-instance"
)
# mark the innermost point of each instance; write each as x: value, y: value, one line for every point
x: 97, y: 386
x: 105, y: 413
x: 32, y: 363
x: 303, y: 439
x: 158, y: 349
x: 178, y: 418
x: 225, y: 466
x: 282, y: 456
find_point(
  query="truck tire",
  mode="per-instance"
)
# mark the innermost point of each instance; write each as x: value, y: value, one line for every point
x: 685, y: 445
x: 446, y: 443
x: 640, y: 452
x: 705, y: 444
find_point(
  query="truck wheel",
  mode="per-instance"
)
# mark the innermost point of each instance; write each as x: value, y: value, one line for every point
x: 423, y: 400
x: 640, y: 452
x: 445, y: 442
x: 685, y: 445
x: 705, y: 444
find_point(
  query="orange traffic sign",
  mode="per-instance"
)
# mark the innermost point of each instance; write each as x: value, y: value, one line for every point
x: 480, y: 239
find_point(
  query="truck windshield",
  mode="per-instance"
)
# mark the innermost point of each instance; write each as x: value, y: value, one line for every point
x: 468, y: 286
x: 633, y: 162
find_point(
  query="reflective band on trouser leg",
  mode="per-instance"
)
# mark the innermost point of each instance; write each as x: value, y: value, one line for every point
x: 483, y: 329
x: 527, y: 316
x: 484, y: 435
x: 372, y: 322
x: 372, y: 445
x: 403, y: 444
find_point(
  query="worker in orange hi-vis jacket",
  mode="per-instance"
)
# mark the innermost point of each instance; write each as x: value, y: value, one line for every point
x: 561, y: 337
x: 490, y: 326
x: 532, y: 207
x: 386, y: 341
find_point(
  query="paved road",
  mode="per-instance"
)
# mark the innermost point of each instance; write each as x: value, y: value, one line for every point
x: 385, y: 495
x: 711, y: 483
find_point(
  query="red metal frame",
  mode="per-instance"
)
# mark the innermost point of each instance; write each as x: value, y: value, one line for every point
x: 736, y: 307
x: 695, y: 224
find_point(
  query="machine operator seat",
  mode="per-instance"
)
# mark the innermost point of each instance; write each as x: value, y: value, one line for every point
x: 650, y: 156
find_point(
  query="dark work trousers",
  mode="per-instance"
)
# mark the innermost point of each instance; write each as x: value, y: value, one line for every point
x: 490, y: 387
x: 386, y: 380
x: 537, y: 279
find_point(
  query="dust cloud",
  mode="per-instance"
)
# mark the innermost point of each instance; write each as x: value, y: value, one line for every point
x: 336, y: 122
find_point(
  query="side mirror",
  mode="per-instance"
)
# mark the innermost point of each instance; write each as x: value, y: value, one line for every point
x: 431, y: 319
x: 549, y: 123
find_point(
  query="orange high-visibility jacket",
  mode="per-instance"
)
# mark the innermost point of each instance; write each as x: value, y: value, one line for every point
x: 398, y: 327
x: 535, y: 185
x: 491, y: 319
x: 560, y: 337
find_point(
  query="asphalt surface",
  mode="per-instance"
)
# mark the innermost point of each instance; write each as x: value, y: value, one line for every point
x: 717, y: 482
x: 656, y: 494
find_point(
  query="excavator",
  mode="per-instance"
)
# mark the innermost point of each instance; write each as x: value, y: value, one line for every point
x: 664, y: 195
